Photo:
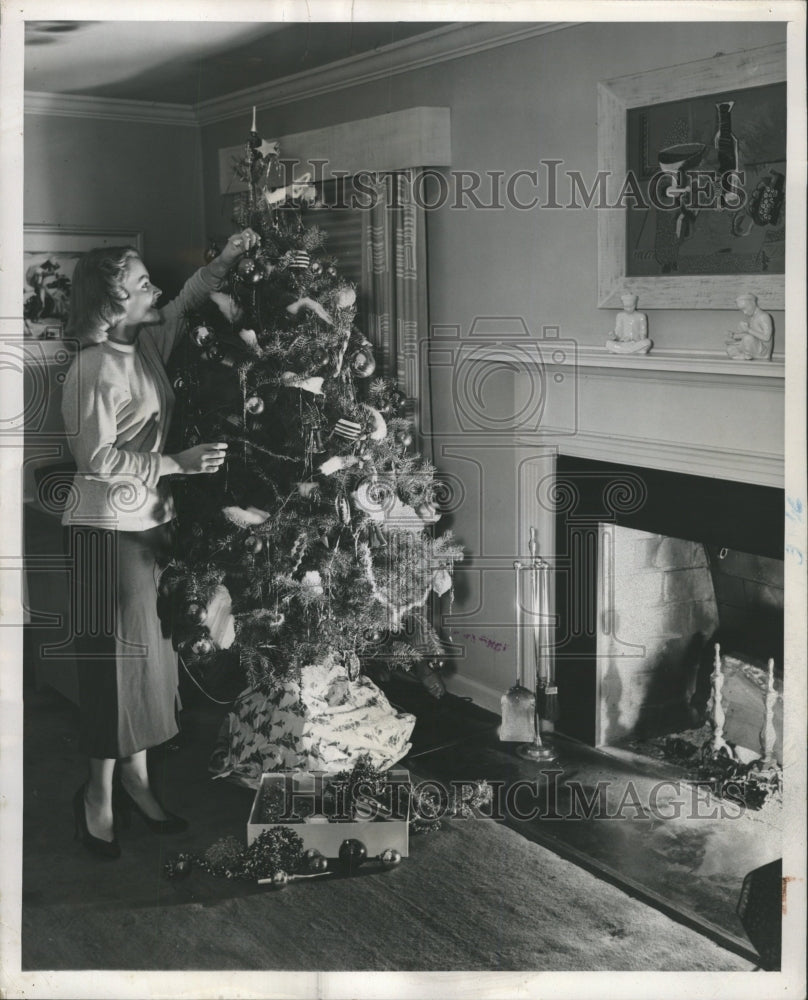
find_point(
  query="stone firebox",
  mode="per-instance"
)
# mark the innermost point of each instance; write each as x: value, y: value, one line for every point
x: 641, y: 595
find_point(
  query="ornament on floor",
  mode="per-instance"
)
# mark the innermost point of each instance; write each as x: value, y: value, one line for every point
x: 389, y: 858
x: 280, y: 879
x: 352, y: 855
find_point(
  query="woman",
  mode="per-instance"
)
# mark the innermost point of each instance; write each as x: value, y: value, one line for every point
x: 117, y: 403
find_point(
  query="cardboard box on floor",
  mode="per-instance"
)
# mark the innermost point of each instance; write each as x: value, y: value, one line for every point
x: 321, y: 834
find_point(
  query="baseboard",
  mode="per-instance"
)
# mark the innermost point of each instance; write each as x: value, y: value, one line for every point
x: 481, y: 694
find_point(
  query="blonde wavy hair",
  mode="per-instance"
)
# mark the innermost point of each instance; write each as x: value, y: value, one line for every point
x: 97, y: 294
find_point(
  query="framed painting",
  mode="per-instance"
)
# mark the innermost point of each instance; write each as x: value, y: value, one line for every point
x: 50, y: 255
x: 693, y: 159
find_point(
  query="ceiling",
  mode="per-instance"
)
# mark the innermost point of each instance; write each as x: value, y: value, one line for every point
x: 187, y: 62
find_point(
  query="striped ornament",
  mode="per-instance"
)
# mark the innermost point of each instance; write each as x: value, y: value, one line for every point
x: 347, y: 429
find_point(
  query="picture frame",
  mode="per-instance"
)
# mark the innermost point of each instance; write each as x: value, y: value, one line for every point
x: 50, y: 254
x: 702, y: 79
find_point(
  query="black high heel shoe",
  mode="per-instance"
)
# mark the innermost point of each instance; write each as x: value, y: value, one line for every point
x: 126, y: 805
x: 103, y: 848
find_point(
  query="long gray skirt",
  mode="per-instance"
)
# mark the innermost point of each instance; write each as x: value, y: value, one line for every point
x: 127, y: 669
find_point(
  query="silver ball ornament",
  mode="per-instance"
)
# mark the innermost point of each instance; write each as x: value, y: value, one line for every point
x: 196, y: 612
x: 201, y: 646
x: 254, y: 405
x: 253, y: 544
x: 201, y: 336
x: 390, y: 858
x: 279, y: 880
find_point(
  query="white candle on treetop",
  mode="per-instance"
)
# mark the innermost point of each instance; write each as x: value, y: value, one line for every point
x: 253, y: 129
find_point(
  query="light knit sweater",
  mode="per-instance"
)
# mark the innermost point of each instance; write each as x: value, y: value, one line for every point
x: 117, y: 403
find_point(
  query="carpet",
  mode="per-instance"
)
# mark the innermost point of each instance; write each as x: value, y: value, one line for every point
x: 475, y: 895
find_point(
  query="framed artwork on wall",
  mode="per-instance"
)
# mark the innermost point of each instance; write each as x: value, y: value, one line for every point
x: 693, y: 163
x: 50, y: 255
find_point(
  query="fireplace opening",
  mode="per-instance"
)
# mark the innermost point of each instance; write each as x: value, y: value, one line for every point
x: 653, y: 569
x: 663, y: 605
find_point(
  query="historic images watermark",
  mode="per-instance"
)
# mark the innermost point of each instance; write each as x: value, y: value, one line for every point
x: 546, y: 797
x: 549, y: 185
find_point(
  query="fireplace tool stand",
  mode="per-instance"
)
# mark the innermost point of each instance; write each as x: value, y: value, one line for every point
x: 546, y: 700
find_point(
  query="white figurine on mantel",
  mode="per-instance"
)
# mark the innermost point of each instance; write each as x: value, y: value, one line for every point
x: 755, y: 337
x: 630, y: 334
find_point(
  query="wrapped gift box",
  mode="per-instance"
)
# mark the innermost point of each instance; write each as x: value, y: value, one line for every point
x: 312, y: 804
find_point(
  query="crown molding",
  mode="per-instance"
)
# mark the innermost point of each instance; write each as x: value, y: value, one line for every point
x: 452, y: 42
x: 441, y: 45
x: 80, y: 106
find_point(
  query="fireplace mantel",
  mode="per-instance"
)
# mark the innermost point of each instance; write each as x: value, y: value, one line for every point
x: 676, y: 364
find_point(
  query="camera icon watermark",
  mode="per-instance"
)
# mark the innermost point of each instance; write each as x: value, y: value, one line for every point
x: 499, y: 379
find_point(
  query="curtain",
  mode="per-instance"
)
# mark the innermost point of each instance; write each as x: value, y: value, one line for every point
x: 394, y: 277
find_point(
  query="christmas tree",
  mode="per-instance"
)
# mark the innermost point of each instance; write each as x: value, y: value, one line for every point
x: 313, y: 547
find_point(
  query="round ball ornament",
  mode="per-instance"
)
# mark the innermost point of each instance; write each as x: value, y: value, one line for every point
x: 201, y: 646
x: 279, y: 880
x: 253, y: 544
x: 320, y: 357
x: 346, y: 297
x: 352, y: 854
x: 196, y: 612
x: 245, y: 267
x: 331, y: 271
x: 254, y: 405
x: 201, y: 336
x: 404, y: 438
x: 214, y: 352
x: 180, y: 383
x: 181, y: 868
x: 316, y: 268
x: 390, y: 858
x: 211, y: 253
x: 363, y: 364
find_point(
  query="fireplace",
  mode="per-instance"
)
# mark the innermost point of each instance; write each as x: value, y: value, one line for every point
x: 653, y: 568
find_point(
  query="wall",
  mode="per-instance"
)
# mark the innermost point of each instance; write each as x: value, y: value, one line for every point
x: 119, y: 175
x: 511, y: 107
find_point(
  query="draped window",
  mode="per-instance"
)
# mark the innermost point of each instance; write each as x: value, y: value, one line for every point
x: 383, y: 249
